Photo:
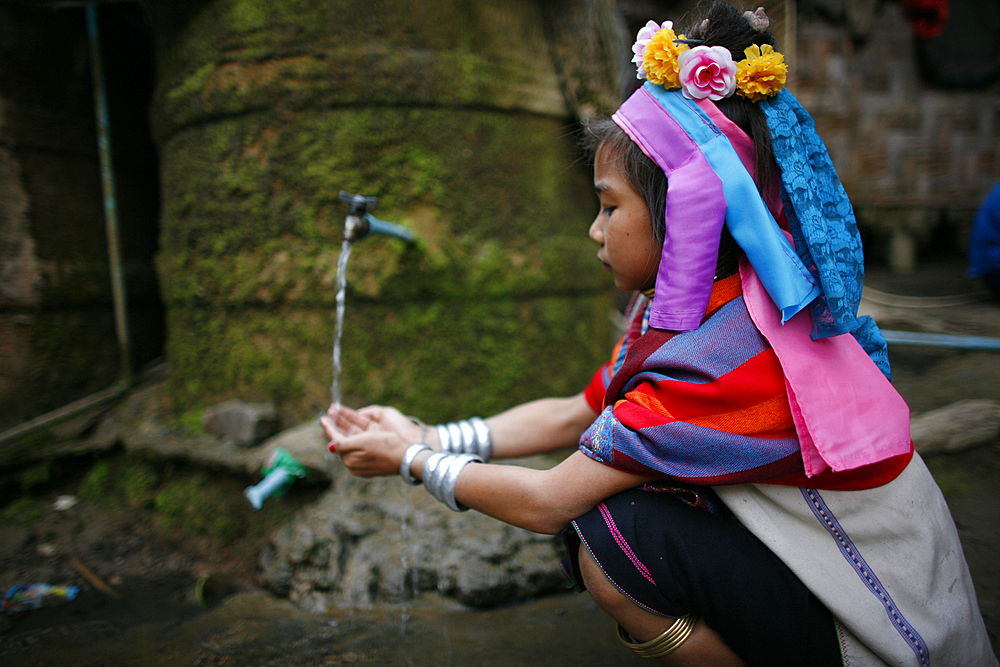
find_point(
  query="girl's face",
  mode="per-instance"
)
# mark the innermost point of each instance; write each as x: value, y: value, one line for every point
x: 629, y: 250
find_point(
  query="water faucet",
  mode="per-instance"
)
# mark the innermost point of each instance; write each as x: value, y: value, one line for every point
x: 360, y: 223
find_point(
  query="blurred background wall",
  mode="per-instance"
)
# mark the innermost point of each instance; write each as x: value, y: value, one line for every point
x: 235, y: 124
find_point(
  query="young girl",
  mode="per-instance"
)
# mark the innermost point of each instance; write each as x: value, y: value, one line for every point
x: 744, y: 489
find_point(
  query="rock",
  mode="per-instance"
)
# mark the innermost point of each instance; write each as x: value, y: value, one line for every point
x: 956, y: 427
x: 375, y: 541
x: 247, y: 424
x: 364, y: 541
x: 305, y: 443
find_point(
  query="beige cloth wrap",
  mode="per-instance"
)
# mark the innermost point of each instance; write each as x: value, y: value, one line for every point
x: 906, y: 535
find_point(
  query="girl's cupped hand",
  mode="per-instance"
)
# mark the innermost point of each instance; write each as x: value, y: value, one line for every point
x: 345, y: 421
x: 366, y: 453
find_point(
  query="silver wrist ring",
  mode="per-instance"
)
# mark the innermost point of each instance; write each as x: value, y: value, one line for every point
x: 455, y: 433
x: 407, y: 463
x: 469, y: 436
x: 432, y: 472
x: 484, y: 441
x: 444, y: 442
x: 441, y: 473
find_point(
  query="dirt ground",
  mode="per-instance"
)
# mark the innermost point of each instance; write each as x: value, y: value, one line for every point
x: 151, y: 596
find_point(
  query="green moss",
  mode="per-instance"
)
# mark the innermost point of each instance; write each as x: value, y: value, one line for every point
x: 435, y: 359
x: 190, y: 421
x: 265, y: 112
x: 249, y: 256
x: 193, y: 83
x: 24, y: 510
x: 196, y: 507
x: 36, y: 475
x: 267, y: 229
x: 294, y: 55
x: 98, y: 484
x: 191, y: 502
x: 248, y: 16
x: 128, y: 482
x: 138, y: 483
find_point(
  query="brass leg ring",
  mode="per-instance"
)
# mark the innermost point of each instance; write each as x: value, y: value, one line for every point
x: 664, y: 644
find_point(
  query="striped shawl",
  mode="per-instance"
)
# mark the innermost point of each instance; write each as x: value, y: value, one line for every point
x: 706, y: 407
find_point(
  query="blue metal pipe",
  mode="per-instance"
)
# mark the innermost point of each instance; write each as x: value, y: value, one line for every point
x: 110, y: 204
x: 941, y: 340
x: 376, y: 226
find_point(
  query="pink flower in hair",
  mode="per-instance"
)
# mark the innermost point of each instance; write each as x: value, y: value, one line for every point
x: 645, y: 36
x: 707, y: 71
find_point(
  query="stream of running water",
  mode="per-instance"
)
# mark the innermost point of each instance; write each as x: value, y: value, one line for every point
x: 336, y: 395
x: 338, y: 333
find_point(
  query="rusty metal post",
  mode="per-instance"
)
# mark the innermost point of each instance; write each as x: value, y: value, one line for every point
x: 110, y: 204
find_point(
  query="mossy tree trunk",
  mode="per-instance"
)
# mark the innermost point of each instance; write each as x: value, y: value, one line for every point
x: 459, y: 117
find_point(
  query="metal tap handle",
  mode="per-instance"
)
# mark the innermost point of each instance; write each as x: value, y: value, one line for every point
x: 358, y: 204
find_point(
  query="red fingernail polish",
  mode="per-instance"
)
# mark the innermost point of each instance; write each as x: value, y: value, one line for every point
x: 332, y: 447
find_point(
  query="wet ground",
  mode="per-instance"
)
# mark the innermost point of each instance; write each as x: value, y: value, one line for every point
x: 155, y: 598
x: 173, y: 602
x: 251, y: 628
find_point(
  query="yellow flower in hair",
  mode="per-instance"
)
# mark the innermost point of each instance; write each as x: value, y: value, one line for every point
x: 659, y: 59
x: 762, y: 74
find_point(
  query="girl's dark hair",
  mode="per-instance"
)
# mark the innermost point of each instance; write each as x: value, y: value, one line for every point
x: 726, y: 26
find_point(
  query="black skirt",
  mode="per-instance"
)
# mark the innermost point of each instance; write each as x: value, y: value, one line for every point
x: 673, y: 559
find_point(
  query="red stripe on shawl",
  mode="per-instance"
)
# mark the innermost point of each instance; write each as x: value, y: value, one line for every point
x: 856, y: 479
x: 724, y: 291
x: 767, y: 419
x: 638, y: 352
x: 749, y: 400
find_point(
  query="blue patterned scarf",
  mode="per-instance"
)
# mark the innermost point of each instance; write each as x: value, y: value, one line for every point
x: 823, y: 226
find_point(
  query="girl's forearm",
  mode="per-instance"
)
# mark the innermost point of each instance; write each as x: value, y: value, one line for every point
x: 544, y: 425
x: 542, y: 501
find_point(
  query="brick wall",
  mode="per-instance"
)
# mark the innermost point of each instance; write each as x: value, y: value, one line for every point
x: 57, y: 326
x: 916, y: 158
